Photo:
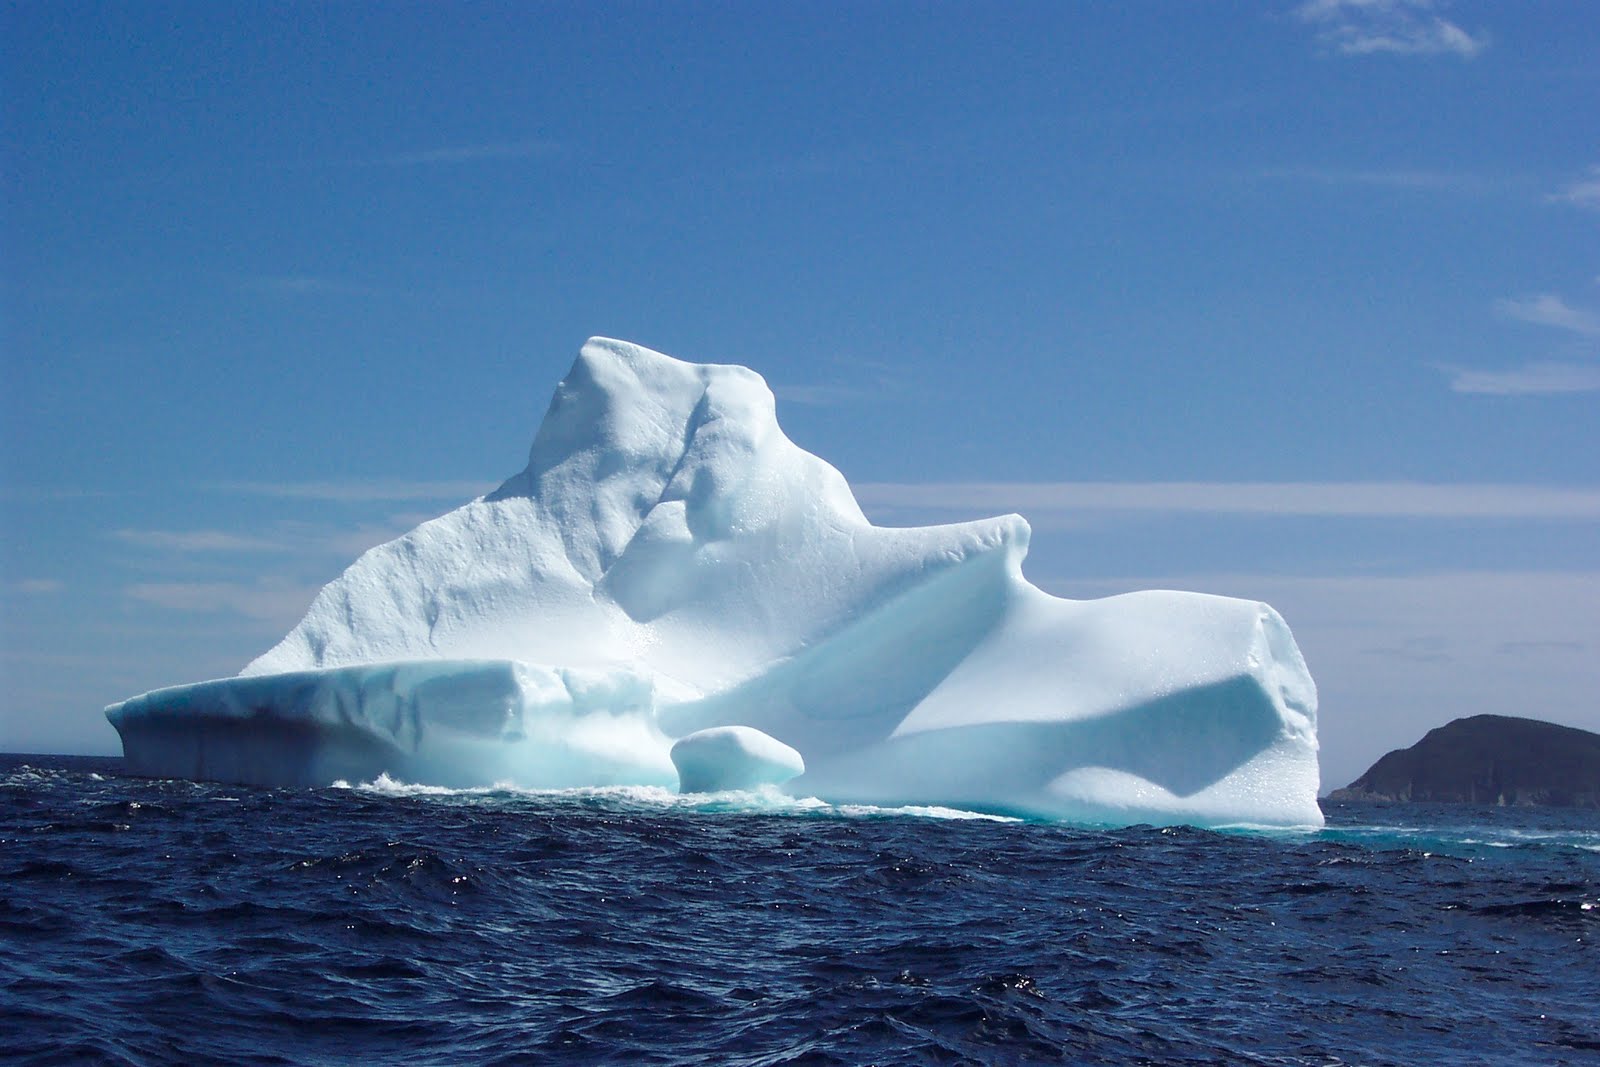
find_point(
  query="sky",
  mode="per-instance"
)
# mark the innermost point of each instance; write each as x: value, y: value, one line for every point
x: 1297, y: 301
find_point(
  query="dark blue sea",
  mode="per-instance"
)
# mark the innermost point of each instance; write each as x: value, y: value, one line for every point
x: 162, y: 922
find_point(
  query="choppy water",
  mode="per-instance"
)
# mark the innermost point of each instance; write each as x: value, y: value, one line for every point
x: 171, y: 922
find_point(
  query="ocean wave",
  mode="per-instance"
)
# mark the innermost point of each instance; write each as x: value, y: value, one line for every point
x: 145, y: 922
x: 766, y: 800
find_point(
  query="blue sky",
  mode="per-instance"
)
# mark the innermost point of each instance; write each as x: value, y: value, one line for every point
x: 1298, y: 301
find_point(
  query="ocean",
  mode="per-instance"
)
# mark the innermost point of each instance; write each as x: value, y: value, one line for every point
x: 162, y: 922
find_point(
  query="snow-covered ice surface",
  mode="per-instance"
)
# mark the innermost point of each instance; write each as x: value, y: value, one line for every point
x: 668, y: 563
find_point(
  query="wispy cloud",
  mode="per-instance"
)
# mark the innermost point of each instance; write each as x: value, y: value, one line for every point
x: 304, y: 540
x: 38, y: 586
x: 197, y: 541
x: 1584, y: 192
x: 265, y: 601
x: 1545, y: 378
x: 1396, y: 27
x: 1548, y: 309
x: 819, y: 395
x: 471, y: 153
x: 358, y: 492
x: 1404, y: 179
x: 854, y: 379
x: 347, y: 542
x: 1380, y: 500
x: 1536, y: 379
x: 39, y: 493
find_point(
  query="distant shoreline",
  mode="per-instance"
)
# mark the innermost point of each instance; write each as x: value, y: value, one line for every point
x: 1487, y: 760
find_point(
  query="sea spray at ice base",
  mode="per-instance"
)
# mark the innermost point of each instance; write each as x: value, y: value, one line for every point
x: 669, y: 562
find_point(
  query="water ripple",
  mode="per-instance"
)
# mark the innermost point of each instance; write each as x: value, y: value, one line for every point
x: 155, y: 922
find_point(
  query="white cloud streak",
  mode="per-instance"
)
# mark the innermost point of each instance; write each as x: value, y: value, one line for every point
x: 1584, y: 193
x: 1548, y: 309
x: 1536, y: 379
x: 1394, y: 27
x: 280, y: 604
x: 818, y: 395
x: 197, y: 541
x: 348, y: 542
x: 358, y: 492
x: 305, y: 540
x: 1357, y: 500
x: 38, y: 586
x: 36, y: 493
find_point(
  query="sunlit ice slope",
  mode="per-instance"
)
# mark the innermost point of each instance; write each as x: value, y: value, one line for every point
x: 669, y: 562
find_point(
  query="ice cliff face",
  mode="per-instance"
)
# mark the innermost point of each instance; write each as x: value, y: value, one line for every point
x: 669, y: 540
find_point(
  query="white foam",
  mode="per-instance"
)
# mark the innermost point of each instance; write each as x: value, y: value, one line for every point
x: 762, y: 801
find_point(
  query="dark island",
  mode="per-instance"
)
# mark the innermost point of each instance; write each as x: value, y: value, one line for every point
x: 1488, y: 759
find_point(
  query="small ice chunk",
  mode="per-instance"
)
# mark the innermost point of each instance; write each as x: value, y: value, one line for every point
x: 733, y: 757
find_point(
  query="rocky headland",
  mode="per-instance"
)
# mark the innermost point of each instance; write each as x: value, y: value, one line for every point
x: 1488, y: 759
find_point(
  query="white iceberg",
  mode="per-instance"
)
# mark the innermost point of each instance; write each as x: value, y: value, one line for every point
x: 669, y: 563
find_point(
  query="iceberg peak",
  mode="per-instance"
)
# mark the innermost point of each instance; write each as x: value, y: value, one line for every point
x: 630, y: 430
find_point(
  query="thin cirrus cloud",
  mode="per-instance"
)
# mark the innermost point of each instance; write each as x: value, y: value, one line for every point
x: 197, y: 541
x: 264, y: 601
x: 1394, y: 27
x: 820, y: 395
x: 1377, y: 500
x: 376, y: 491
x: 313, y: 539
x: 1584, y: 192
x: 304, y: 539
x: 866, y: 378
x: 1548, y: 378
x: 1548, y: 309
x: 1536, y: 379
x: 39, y: 586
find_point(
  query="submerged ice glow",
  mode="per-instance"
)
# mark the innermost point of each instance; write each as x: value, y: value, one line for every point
x: 669, y: 563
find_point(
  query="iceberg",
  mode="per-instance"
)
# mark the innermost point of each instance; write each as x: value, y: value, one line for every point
x: 673, y: 593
